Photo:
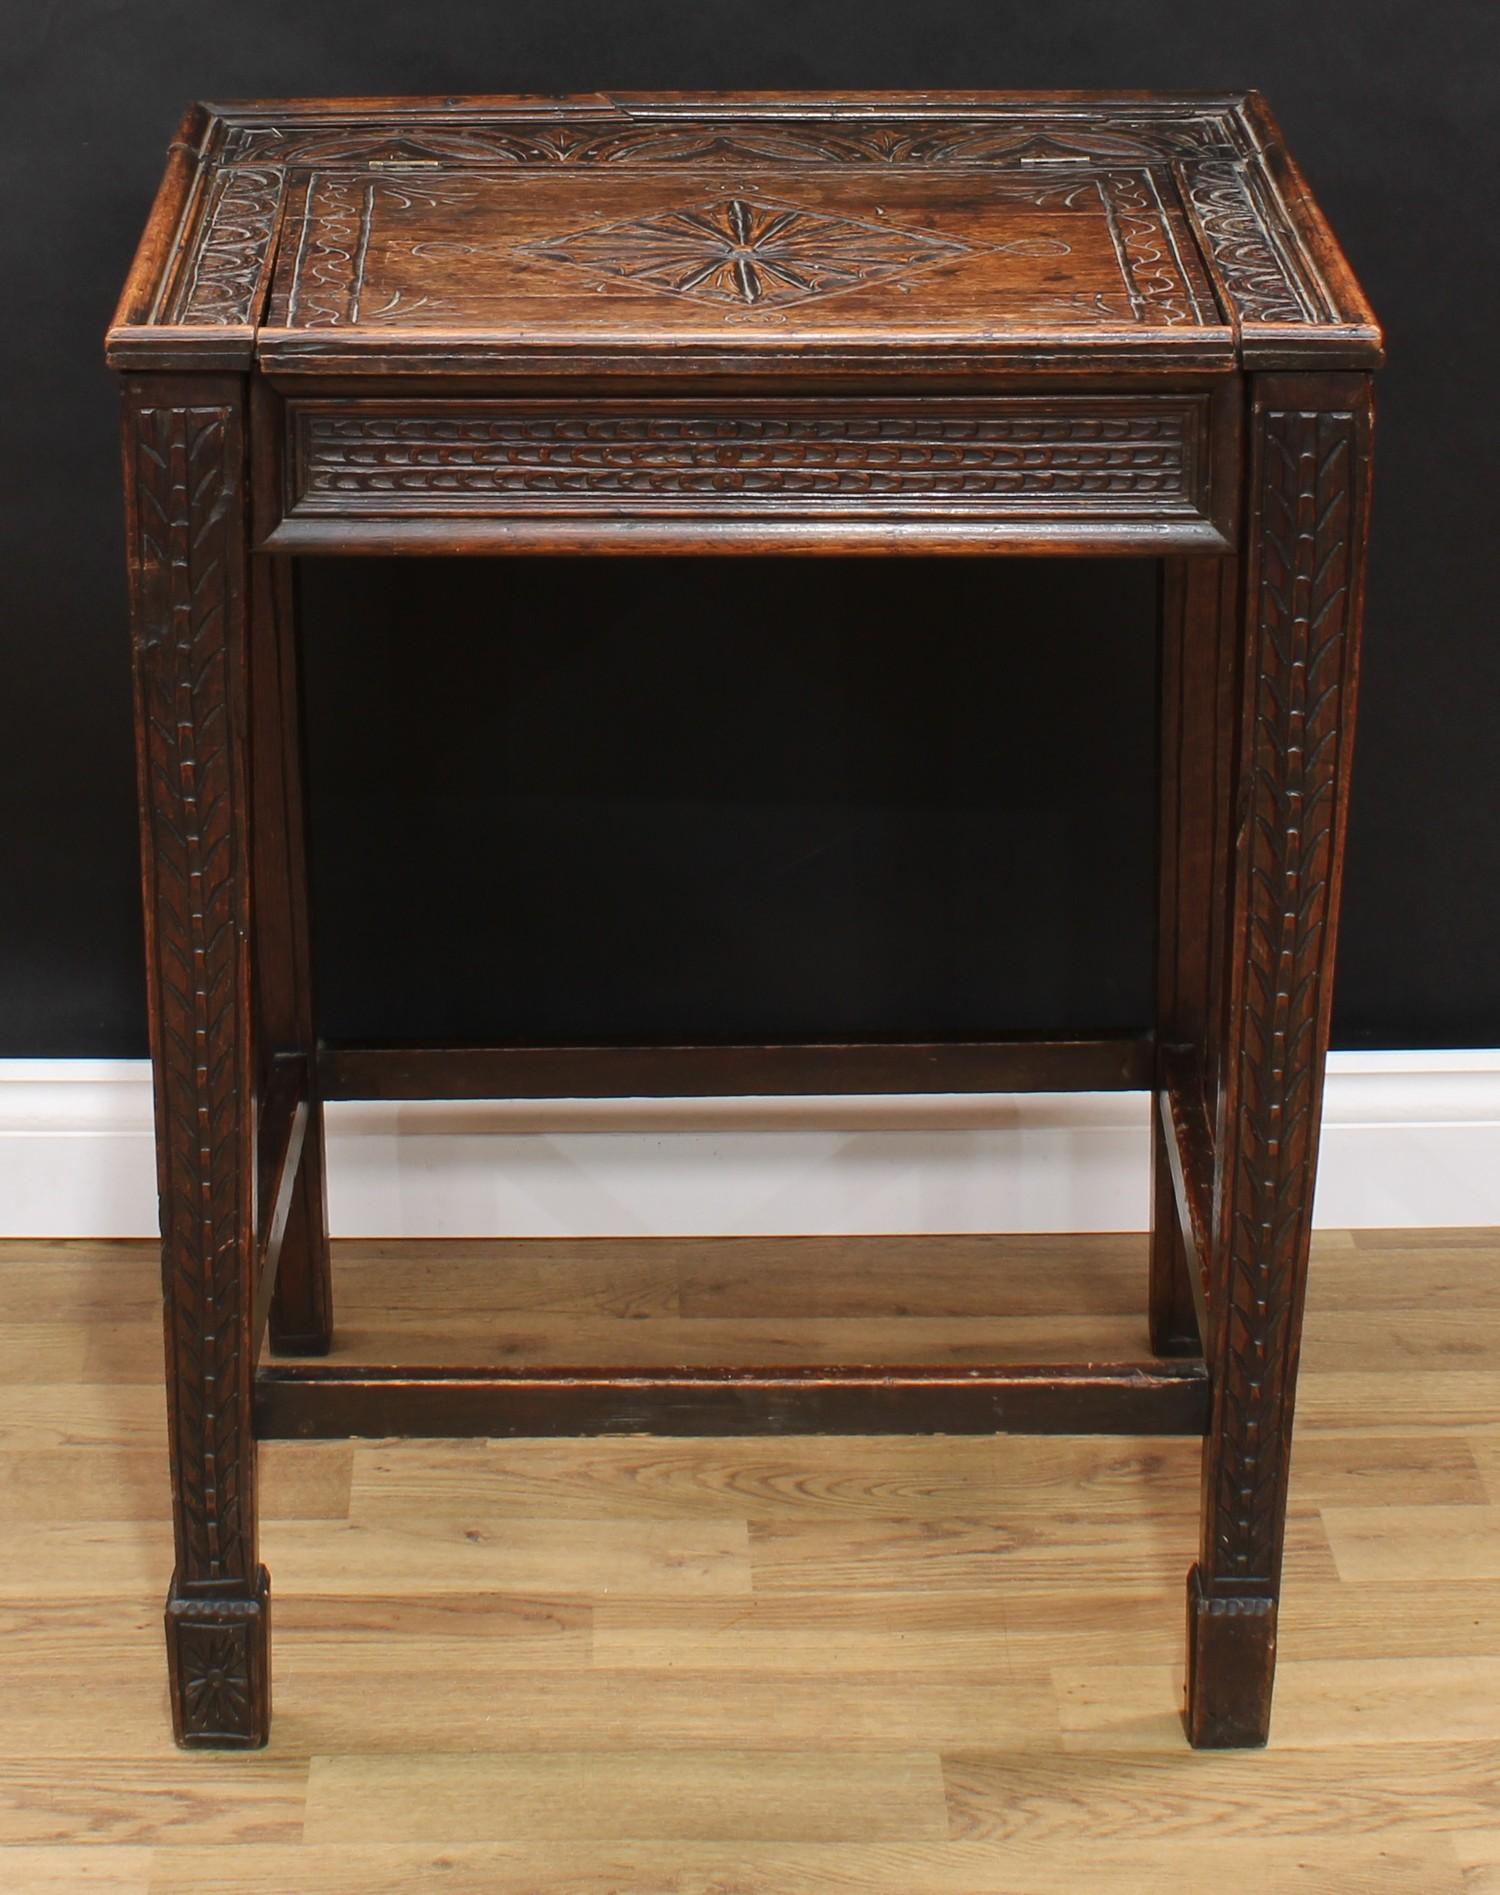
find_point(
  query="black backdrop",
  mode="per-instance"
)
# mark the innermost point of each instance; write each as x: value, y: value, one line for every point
x: 703, y: 798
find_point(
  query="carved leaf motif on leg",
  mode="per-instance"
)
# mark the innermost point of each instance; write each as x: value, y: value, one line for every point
x: 1303, y: 620
x: 186, y: 493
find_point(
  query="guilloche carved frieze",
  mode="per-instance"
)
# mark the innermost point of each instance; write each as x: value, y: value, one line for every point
x: 1140, y: 456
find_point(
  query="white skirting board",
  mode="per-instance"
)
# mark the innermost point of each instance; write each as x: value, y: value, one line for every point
x: 1410, y: 1140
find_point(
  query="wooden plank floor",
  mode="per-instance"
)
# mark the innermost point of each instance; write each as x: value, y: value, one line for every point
x: 914, y: 1666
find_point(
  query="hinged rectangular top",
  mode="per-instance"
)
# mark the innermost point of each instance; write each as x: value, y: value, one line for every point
x: 927, y: 234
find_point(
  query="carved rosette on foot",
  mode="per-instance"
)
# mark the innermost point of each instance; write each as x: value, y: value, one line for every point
x: 1309, y: 505
x: 184, y: 467
x: 219, y: 1668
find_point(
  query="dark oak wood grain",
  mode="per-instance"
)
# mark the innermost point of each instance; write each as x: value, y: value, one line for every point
x: 818, y: 323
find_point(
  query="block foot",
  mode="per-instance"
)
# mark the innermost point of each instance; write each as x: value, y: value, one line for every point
x: 1231, y: 1668
x: 219, y: 1668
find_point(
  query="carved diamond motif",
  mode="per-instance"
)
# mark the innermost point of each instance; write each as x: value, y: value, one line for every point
x: 744, y: 253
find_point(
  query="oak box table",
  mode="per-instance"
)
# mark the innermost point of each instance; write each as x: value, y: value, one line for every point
x: 1045, y: 323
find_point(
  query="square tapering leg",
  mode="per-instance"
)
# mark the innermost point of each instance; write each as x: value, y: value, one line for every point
x: 184, y: 455
x: 1307, y: 511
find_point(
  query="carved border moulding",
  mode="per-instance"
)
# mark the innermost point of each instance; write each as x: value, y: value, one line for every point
x: 229, y: 259
x: 1134, y: 458
x: 187, y: 496
x: 1302, y: 607
x: 1016, y: 139
x: 330, y: 253
x: 328, y: 278
x: 1159, y: 279
x: 1260, y: 280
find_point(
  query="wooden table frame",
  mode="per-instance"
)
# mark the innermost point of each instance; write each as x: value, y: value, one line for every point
x: 234, y: 461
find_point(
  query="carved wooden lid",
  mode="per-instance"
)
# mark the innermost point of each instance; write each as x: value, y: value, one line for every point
x: 933, y: 233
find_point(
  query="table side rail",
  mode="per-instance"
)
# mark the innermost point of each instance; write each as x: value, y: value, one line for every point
x: 330, y: 1401
x: 1105, y: 471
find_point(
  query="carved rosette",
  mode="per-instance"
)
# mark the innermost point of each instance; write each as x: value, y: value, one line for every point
x: 185, y: 460
x: 218, y: 1657
x: 747, y: 254
x: 1302, y: 634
